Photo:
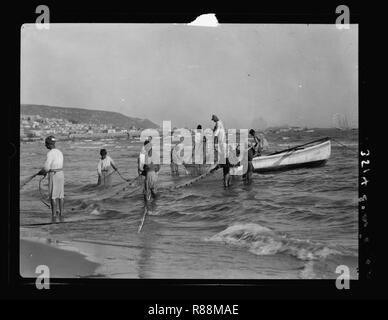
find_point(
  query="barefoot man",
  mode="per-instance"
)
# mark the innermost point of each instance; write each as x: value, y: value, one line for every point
x: 149, y: 170
x: 54, y: 168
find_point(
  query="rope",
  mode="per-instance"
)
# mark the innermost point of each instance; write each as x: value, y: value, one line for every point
x: 41, y: 194
x: 122, y: 176
x: 133, y: 191
x: 130, y: 183
x: 27, y: 180
x: 207, y: 173
x: 108, y: 175
x: 142, y: 220
x: 210, y: 171
x: 117, y: 171
x: 344, y: 146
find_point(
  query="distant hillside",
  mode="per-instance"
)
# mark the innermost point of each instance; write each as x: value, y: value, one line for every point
x: 86, y: 116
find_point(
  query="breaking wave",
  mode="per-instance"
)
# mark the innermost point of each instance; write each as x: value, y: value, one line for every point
x: 264, y: 241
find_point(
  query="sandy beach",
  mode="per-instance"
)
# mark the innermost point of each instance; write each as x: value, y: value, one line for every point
x: 102, y: 259
x: 62, y: 263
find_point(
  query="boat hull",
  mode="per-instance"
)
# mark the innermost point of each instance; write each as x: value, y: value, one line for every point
x: 313, y: 156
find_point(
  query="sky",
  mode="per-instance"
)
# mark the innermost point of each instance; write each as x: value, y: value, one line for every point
x: 249, y: 75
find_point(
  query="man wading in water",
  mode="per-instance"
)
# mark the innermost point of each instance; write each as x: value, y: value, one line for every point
x: 56, y: 180
x: 149, y: 170
x: 199, y: 150
x: 247, y: 176
x: 259, y: 142
x: 104, y: 169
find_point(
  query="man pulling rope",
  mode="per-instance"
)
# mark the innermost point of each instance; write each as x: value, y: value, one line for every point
x: 53, y: 167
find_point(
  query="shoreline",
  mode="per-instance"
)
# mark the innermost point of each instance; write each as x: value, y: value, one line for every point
x: 63, y: 262
x: 75, y: 258
x: 99, y: 259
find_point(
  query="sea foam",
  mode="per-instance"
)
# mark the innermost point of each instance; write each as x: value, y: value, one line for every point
x: 261, y: 240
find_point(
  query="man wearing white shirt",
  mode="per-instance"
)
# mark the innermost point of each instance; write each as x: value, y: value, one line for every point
x: 53, y: 167
x: 104, y: 169
x: 220, y: 143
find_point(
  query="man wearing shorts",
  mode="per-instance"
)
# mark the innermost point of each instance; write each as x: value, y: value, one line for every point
x: 53, y: 167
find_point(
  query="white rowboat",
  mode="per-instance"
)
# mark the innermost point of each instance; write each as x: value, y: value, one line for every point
x: 312, y: 154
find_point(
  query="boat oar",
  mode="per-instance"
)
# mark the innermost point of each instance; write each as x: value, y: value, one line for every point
x: 298, y: 146
x: 27, y: 180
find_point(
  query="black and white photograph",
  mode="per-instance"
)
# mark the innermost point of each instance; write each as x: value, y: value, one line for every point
x: 180, y: 151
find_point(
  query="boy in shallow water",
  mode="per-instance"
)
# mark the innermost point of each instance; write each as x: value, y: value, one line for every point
x: 104, y: 169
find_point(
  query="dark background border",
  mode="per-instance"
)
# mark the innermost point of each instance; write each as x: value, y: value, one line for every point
x: 372, y: 276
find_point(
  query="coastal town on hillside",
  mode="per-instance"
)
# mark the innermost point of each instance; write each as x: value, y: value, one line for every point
x: 34, y: 127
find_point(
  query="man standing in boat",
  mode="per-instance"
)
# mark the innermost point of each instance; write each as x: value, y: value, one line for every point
x: 219, y: 140
x: 53, y: 167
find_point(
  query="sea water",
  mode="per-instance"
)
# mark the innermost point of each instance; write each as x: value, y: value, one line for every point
x: 301, y: 223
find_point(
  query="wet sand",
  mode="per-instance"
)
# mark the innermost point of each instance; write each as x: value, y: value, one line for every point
x: 140, y: 258
x: 61, y: 263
